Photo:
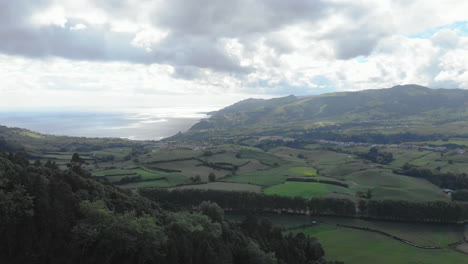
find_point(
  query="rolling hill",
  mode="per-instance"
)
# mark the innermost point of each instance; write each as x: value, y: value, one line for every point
x: 405, y: 102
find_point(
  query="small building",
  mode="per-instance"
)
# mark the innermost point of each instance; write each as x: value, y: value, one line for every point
x: 448, y: 191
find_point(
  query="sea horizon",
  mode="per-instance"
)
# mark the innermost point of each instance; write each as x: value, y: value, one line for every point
x: 134, y: 124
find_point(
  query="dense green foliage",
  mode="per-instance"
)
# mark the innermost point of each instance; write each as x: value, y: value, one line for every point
x: 52, y: 216
x: 376, y: 156
x: 23, y: 139
x: 445, y: 180
x: 460, y: 195
x: 398, y: 210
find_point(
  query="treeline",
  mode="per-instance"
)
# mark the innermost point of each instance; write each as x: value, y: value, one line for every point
x: 10, y: 146
x: 460, y: 195
x: 296, y: 179
x: 249, y: 202
x: 433, y: 212
x: 376, y: 138
x: 376, y: 156
x: 446, y: 180
x: 327, y: 133
x: 52, y: 216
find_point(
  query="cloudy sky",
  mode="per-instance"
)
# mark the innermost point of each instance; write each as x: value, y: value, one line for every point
x: 158, y: 53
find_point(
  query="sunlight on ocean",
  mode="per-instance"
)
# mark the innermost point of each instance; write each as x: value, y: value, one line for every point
x: 137, y: 124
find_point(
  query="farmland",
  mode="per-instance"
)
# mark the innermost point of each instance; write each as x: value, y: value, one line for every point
x: 340, y: 242
x: 268, y: 171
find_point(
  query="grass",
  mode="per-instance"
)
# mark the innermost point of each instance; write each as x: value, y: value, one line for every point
x: 304, y: 171
x: 340, y: 244
x: 118, y: 153
x: 403, y: 156
x: 173, y: 180
x: 115, y: 175
x: 305, y: 189
x: 191, y: 168
x: 112, y: 172
x: 339, y: 171
x: 223, y: 186
x: 384, y: 193
x: 263, y: 157
x: 264, y: 177
x: 424, y: 160
x: 387, y: 185
x: 172, y: 154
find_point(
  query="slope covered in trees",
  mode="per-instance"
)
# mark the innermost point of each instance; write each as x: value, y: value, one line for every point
x: 52, y: 216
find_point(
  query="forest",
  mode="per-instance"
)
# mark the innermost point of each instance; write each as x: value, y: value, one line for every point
x: 249, y: 202
x: 48, y: 215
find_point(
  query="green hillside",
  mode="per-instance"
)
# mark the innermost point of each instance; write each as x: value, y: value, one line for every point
x: 407, y: 102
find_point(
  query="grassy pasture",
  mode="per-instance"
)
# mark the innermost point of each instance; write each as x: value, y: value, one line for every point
x: 425, y: 160
x: 115, y: 175
x: 290, y: 154
x: 161, y: 155
x: 263, y: 177
x: 403, y: 156
x: 252, y: 166
x: 387, y: 185
x: 362, y: 247
x: 118, y: 153
x: 458, y: 141
x: 173, y: 180
x: 228, y: 157
x: 421, y: 234
x: 266, y: 158
x: 112, y: 172
x: 191, y: 168
x: 306, y: 189
x: 340, y: 244
x: 304, y: 171
x: 340, y: 171
x: 383, y: 193
x: 223, y: 186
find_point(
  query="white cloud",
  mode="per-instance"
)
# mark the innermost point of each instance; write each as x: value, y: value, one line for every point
x: 54, y: 15
x: 161, y: 48
x: 78, y: 27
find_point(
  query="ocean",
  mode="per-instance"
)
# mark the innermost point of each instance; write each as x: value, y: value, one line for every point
x: 136, y: 124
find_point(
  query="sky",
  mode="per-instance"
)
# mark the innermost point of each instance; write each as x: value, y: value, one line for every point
x: 125, y: 54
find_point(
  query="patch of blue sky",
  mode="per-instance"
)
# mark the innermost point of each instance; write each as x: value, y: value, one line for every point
x: 362, y: 59
x: 321, y: 84
x: 461, y: 27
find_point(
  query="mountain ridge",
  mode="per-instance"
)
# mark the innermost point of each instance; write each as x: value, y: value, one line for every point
x: 400, y: 102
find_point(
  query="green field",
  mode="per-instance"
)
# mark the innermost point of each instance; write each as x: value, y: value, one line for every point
x: 223, y: 186
x: 306, y: 189
x: 263, y: 177
x: 341, y: 244
x: 173, y: 180
x: 363, y: 247
x: 146, y: 175
x: 271, y: 168
x: 304, y: 171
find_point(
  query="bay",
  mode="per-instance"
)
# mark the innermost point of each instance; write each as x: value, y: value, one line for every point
x: 136, y: 124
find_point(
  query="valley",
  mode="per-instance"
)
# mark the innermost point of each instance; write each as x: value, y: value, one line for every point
x: 359, y: 154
